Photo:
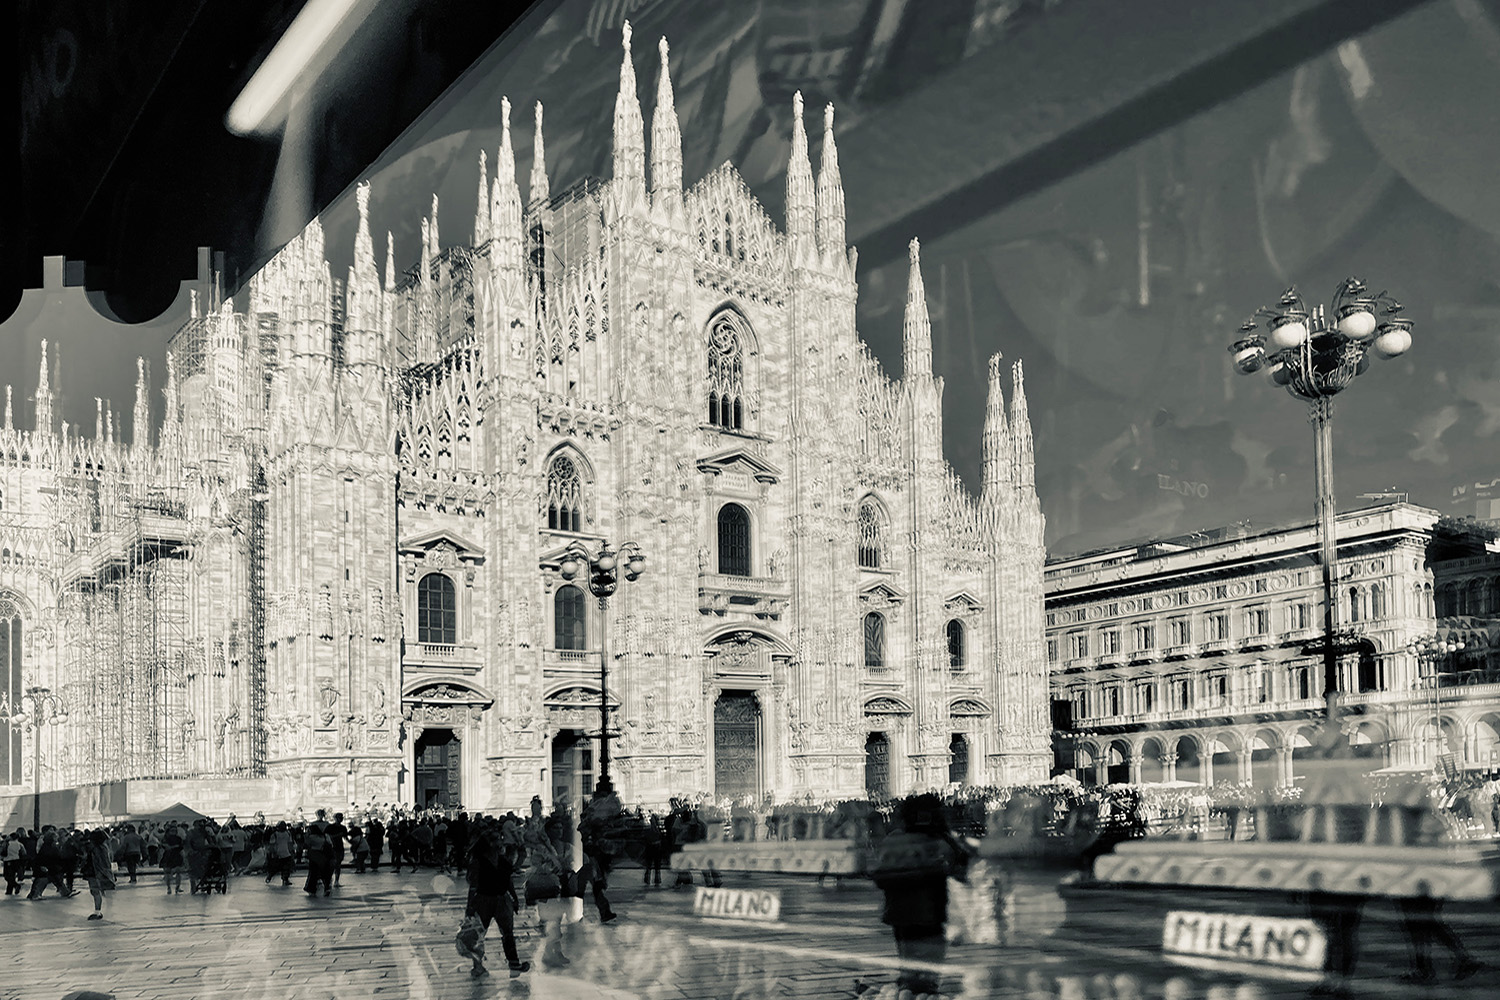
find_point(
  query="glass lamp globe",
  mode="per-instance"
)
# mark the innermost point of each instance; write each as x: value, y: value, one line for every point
x: 637, y: 565
x: 606, y: 561
x: 570, y: 568
x: 1394, y: 339
x: 1288, y: 332
x: 1357, y: 322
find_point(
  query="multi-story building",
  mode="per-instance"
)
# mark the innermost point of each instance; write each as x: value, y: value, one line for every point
x: 1195, y: 659
x: 337, y: 573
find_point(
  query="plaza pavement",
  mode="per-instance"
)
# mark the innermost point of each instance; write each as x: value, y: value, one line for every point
x: 385, y: 935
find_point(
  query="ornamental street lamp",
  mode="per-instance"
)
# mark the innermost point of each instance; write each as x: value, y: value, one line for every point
x: 604, y: 571
x: 1315, y: 358
x: 45, y: 709
x: 1431, y: 652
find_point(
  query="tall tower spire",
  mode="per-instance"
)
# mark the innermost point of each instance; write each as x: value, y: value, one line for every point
x: 917, y: 329
x: 140, y: 426
x: 482, y: 203
x: 1023, y: 459
x: 390, y: 262
x: 98, y: 419
x: 995, y: 444
x: 629, y: 180
x: 666, y: 140
x: 436, y: 248
x: 43, y: 396
x: 362, y: 295
x: 505, y: 199
x: 830, y: 195
x: 801, y: 209
x: 9, y: 425
x: 539, y: 194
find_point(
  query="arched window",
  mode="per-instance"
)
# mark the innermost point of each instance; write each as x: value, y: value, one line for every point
x: 957, y: 651
x: 437, y: 614
x: 1354, y: 604
x: 871, y: 535
x: 726, y: 372
x: 734, y: 540
x: 1377, y: 601
x: 1446, y: 601
x: 564, y: 495
x: 958, y: 764
x: 570, y: 618
x: 874, y: 639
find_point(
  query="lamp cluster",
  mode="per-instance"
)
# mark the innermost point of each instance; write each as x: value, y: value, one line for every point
x: 604, y: 568
x: 1315, y: 357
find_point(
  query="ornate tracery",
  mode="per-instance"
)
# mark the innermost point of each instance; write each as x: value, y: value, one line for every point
x: 564, y: 495
x: 871, y: 534
x: 726, y: 372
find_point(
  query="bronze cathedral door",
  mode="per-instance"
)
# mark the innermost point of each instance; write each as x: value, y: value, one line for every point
x: 737, y: 735
x: 439, y: 779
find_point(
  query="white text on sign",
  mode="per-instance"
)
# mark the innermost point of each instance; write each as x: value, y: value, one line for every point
x: 744, y: 904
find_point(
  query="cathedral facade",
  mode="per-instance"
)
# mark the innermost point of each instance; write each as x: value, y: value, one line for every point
x: 338, y: 573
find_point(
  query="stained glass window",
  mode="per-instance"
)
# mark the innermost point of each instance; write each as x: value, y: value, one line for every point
x: 734, y: 540
x: 874, y: 639
x: 564, y: 495
x: 570, y: 618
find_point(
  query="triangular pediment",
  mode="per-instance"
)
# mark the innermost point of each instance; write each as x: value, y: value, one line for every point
x: 441, y: 539
x: 881, y: 592
x: 962, y: 603
x: 740, y: 459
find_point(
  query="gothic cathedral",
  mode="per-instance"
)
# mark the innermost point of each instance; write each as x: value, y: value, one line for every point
x: 338, y: 575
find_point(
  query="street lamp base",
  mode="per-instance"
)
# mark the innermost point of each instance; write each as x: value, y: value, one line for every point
x: 603, y: 787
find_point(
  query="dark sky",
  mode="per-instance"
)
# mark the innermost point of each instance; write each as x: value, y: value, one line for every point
x: 1375, y: 159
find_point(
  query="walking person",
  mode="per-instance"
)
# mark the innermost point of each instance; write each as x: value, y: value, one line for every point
x: 375, y: 834
x: 319, y: 859
x: 492, y: 896
x: 359, y: 847
x: 13, y: 858
x: 200, y: 843
x: 655, y: 847
x: 912, y: 869
x: 173, y: 858
x: 48, y: 867
x: 279, y: 854
x: 544, y: 891
x: 99, y: 871
x: 132, y: 848
x: 337, y: 833
x: 597, y: 827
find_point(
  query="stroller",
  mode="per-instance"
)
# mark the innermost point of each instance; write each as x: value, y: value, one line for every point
x: 215, y: 875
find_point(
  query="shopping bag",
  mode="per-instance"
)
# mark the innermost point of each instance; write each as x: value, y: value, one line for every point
x: 470, y: 938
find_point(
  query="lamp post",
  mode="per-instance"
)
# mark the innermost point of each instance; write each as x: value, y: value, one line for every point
x: 1315, y: 358
x: 1431, y: 651
x: 45, y: 709
x: 604, y: 569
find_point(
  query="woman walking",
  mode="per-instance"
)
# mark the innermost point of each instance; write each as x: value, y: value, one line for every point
x: 98, y: 870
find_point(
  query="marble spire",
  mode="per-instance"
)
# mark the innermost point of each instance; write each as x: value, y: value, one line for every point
x: 917, y: 328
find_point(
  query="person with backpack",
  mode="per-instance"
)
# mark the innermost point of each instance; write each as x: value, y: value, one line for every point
x: 132, y: 848
x: 912, y: 868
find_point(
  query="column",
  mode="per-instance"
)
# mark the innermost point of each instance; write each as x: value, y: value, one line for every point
x: 1206, y: 766
x: 1245, y: 766
x: 1135, y: 766
x: 1284, y: 764
x: 1169, y: 766
x: 1101, y: 768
